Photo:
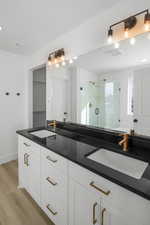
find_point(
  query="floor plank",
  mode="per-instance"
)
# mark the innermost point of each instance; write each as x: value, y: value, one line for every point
x: 16, y: 205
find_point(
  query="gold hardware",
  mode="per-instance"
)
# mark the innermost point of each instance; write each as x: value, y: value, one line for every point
x: 48, y: 207
x: 51, y: 182
x: 103, y: 212
x: 124, y: 142
x: 25, y: 159
x: 53, y: 124
x: 94, y: 216
x: 27, y: 145
x: 50, y: 159
x: 99, y: 189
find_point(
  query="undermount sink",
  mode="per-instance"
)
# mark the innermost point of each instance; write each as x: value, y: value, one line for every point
x: 43, y: 133
x: 124, y: 164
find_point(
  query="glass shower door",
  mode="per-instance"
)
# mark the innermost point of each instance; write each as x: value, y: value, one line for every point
x: 100, y: 104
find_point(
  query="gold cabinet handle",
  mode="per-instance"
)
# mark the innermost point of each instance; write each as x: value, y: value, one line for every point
x: 50, y: 159
x: 28, y: 160
x: 48, y: 207
x: 27, y: 145
x: 99, y: 189
x: 25, y: 159
x: 103, y: 213
x: 94, y: 216
x: 50, y: 181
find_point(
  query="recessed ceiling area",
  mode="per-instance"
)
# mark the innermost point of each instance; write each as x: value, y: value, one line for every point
x: 108, y: 59
x: 29, y: 25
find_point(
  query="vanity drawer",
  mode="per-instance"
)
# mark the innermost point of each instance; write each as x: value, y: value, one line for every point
x: 55, y: 182
x: 54, y: 160
x: 56, y: 212
x: 24, y: 143
x: 90, y: 181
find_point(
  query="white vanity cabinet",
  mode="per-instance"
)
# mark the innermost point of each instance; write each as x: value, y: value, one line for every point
x: 72, y: 195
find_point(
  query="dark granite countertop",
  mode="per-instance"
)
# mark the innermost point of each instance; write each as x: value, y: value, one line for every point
x: 76, y: 147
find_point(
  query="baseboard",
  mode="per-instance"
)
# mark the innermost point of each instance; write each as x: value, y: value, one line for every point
x: 8, y: 158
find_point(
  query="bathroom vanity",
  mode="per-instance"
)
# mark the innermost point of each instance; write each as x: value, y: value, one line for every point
x: 63, y: 173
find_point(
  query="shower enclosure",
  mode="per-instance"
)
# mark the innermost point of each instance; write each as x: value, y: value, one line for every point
x: 100, y: 104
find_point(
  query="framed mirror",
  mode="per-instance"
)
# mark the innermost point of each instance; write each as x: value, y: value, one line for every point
x: 107, y: 88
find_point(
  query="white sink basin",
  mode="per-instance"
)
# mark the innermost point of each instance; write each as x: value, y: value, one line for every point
x: 124, y: 164
x: 43, y: 133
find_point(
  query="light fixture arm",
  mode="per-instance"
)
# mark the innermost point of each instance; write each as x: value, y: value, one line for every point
x: 124, y: 20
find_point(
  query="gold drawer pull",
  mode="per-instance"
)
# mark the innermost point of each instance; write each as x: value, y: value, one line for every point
x: 99, y: 189
x: 94, y: 216
x: 51, y: 182
x: 27, y: 145
x: 103, y: 212
x: 26, y: 159
x: 48, y: 207
x: 50, y: 159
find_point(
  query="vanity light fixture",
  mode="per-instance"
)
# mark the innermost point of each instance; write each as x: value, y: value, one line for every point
x: 143, y: 60
x: 59, y: 58
x: 128, y: 24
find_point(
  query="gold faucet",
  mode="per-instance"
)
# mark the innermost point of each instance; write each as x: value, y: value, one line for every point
x: 124, y: 142
x: 52, y: 124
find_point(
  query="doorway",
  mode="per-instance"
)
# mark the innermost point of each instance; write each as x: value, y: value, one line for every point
x: 39, y: 97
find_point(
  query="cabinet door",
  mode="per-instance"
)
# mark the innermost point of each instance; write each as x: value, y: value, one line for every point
x: 29, y: 167
x: 34, y: 172
x: 84, y: 206
x: 23, y: 158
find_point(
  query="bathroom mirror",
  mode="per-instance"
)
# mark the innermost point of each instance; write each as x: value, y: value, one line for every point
x: 107, y: 88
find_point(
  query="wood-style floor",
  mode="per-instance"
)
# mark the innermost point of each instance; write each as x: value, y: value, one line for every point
x: 16, y: 206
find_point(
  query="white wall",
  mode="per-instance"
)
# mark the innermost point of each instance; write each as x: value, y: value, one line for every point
x: 89, y: 35
x: 126, y: 121
x: 12, y: 107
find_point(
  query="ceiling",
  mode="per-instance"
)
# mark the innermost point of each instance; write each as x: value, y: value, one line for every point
x: 28, y: 25
x: 108, y: 59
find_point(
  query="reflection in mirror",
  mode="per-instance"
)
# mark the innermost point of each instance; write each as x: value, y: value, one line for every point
x: 109, y: 87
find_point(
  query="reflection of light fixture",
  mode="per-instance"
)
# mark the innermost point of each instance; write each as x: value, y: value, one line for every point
x: 70, y: 61
x: 129, y: 24
x: 147, y: 21
x: 116, y: 45
x: 143, y: 60
x: 57, y: 65
x: 63, y: 63
x: 75, y: 57
x: 132, y: 41
x: 58, y: 58
x: 110, y: 36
